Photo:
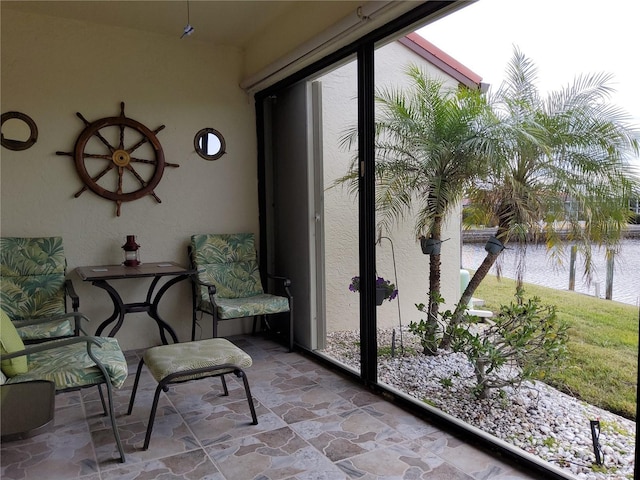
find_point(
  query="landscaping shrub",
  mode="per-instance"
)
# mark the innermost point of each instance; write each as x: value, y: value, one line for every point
x: 522, y: 342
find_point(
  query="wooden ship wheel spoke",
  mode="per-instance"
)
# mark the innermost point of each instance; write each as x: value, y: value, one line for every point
x: 121, y: 177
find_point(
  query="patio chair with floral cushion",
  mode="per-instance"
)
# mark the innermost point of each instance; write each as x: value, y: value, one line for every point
x: 33, y: 285
x: 70, y: 363
x: 228, y: 284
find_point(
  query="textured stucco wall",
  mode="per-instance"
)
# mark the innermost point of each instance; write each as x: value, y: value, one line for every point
x: 53, y: 68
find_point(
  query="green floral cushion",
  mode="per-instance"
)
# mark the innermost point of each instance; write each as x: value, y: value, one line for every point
x: 55, y: 329
x: 32, y: 256
x: 11, y: 342
x: 34, y: 296
x: 263, y: 304
x: 183, y: 357
x: 229, y: 262
x: 70, y: 366
x: 32, y: 281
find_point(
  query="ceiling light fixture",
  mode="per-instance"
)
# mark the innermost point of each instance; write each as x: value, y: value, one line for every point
x: 188, y: 29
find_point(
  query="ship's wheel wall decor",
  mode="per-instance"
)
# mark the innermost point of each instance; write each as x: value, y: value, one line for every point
x: 118, y: 158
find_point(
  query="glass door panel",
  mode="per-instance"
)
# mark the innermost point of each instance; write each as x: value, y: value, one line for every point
x: 337, y: 214
x: 401, y: 265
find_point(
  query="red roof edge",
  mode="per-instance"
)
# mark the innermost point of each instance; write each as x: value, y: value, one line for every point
x: 442, y: 60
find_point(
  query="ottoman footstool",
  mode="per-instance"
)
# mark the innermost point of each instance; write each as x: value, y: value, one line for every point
x: 182, y: 362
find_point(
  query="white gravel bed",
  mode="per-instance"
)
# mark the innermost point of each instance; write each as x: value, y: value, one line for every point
x: 535, y: 417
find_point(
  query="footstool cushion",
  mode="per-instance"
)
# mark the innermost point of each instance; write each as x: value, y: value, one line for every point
x: 184, y: 357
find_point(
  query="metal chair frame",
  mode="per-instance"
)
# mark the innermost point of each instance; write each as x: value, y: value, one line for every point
x: 90, y: 342
x: 178, y: 377
x: 195, y: 288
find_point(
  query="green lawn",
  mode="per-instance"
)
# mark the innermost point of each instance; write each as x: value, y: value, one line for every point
x: 601, y: 368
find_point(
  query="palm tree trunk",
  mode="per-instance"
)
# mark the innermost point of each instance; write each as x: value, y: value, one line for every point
x: 434, y: 281
x: 474, y: 283
x: 434, y: 287
x: 458, y: 313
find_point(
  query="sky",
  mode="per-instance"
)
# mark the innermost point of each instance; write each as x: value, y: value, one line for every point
x: 563, y: 38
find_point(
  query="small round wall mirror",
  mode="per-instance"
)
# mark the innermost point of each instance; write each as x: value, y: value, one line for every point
x: 19, y: 131
x: 209, y: 144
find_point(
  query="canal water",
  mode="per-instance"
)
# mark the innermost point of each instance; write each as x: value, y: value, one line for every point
x: 541, y: 269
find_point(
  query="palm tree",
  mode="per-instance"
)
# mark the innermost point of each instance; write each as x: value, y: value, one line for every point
x: 430, y: 144
x: 570, y: 147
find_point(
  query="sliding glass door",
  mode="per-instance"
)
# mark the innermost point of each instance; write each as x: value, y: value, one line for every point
x: 320, y: 227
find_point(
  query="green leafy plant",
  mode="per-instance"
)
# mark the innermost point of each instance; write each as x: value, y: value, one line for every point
x: 384, y: 351
x: 429, y: 331
x: 524, y: 340
x: 446, y: 382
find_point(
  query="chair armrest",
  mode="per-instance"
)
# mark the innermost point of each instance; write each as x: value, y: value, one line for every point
x: 285, y: 281
x: 77, y: 316
x: 90, y: 342
x: 75, y: 304
x: 41, y: 347
x: 212, y: 292
x: 71, y: 293
x: 211, y: 288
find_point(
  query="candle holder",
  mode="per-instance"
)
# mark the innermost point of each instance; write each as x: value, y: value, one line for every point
x: 131, y: 252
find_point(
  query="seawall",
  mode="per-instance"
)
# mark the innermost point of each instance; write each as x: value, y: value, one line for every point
x: 481, y: 235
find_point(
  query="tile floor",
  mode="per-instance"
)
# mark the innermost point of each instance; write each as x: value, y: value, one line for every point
x: 313, y: 425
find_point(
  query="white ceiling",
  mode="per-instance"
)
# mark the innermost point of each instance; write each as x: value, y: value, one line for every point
x: 231, y: 23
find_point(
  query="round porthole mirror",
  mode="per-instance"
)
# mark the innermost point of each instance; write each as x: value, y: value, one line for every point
x: 19, y: 131
x: 209, y: 143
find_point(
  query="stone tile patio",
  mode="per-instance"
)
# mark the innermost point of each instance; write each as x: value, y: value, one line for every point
x: 313, y: 424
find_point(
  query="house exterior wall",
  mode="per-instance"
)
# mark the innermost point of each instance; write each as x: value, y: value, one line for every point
x: 53, y: 68
x: 341, y: 209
